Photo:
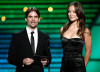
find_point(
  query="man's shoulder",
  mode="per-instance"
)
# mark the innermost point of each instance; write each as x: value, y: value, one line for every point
x: 42, y: 34
x: 19, y: 33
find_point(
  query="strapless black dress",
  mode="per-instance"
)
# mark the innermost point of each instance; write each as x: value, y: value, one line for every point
x: 72, y: 60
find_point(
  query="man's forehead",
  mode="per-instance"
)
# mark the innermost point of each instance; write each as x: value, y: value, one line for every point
x: 33, y: 13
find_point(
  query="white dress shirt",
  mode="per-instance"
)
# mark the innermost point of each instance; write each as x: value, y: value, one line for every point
x: 35, y: 34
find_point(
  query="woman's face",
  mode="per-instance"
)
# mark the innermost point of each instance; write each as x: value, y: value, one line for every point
x: 71, y: 13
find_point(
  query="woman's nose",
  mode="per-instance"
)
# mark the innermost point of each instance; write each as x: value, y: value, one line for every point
x: 71, y: 13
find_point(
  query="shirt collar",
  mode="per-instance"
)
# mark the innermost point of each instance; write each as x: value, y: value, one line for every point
x: 29, y: 31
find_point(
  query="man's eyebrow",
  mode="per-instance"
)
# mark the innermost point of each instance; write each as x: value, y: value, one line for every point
x: 34, y: 16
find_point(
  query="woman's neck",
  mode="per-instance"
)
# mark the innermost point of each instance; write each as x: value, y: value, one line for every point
x: 74, y: 24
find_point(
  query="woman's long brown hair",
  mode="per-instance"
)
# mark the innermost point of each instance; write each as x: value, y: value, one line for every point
x: 81, y: 20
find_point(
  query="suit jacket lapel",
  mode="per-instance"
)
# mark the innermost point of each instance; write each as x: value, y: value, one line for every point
x: 26, y: 42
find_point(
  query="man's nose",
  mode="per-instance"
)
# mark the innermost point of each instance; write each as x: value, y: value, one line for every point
x: 33, y: 18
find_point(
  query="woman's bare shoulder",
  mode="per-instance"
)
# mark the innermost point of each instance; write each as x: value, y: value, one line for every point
x: 61, y: 29
x: 87, y: 31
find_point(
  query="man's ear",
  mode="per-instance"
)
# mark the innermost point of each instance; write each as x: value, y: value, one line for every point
x: 26, y: 19
x: 39, y: 19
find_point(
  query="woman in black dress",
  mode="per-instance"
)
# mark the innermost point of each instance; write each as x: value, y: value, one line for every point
x: 74, y: 35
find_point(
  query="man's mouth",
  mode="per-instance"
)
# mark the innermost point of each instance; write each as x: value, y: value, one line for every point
x: 33, y: 22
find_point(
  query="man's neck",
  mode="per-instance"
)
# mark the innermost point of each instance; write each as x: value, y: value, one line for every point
x: 32, y: 29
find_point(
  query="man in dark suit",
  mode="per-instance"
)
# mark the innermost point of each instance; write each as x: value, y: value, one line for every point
x: 29, y: 49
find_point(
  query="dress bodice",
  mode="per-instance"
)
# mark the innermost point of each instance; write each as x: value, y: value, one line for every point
x: 72, y: 60
x: 72, y: 47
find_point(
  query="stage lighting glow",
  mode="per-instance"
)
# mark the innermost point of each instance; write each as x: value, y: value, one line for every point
x: 25, y: 8
x: 41, y: 17
x: 50, y: 9
x: 3, y: 18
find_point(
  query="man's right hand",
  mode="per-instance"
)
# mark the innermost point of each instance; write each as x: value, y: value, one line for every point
x: 28, y: 61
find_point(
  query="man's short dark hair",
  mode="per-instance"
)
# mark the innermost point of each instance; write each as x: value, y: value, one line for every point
x: 30, y: 9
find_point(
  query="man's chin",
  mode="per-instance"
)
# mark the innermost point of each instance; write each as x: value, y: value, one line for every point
x: 33, y: 27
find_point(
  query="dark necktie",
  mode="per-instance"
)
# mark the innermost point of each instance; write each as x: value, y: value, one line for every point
x: 32, y: 42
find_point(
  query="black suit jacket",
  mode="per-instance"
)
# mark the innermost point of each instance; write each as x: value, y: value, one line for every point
x: 20, y: 48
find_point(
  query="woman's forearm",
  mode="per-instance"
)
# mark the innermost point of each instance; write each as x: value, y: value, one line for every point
x: 87, y: 56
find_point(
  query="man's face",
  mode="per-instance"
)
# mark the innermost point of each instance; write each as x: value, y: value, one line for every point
x: 32, y: 20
